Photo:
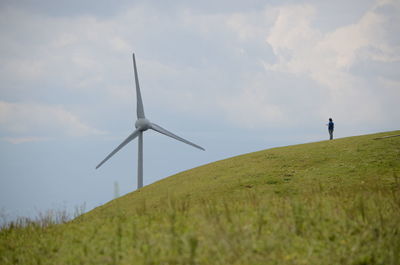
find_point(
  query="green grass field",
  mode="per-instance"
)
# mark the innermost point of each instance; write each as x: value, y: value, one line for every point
x: 330, y: 202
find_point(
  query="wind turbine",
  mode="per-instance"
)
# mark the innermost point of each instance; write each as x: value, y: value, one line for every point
x: 142, y: 124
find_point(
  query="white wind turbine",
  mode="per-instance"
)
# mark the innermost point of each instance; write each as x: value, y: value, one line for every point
x: 142, y: 124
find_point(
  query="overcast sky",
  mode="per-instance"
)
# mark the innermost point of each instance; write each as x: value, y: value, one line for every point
x: 231, y: 76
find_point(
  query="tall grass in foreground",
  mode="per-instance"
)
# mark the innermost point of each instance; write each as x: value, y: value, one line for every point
x: 43, y: 219
x: 324, y: 203
x: 311, y: 228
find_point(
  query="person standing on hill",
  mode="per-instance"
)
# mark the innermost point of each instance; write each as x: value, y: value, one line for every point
x: 331, y: 127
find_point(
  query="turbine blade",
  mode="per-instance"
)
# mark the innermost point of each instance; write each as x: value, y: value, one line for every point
x: 127, y: 140
x: 139, y: 105
x: 170, y: 134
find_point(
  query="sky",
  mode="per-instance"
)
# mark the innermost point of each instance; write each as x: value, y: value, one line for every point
x: 232, y: 76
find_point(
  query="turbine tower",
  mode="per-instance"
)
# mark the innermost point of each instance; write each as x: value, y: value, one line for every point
x: 142, y: 124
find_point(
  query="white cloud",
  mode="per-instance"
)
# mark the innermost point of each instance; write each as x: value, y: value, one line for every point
x: 24, y: 122
x: 252, y: 110
x: 209, y: 64
x: 302, y: 49
x: 327, y: 58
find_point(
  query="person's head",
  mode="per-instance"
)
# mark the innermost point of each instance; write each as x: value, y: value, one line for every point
x: 330, y: 119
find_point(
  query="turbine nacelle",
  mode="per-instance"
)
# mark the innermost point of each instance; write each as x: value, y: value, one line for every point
x: 142, y: 124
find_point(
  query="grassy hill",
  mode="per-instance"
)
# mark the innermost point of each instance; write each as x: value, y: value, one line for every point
x: 330, y: 202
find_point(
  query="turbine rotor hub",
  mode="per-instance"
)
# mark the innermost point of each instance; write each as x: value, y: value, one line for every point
x: 142, y: 124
